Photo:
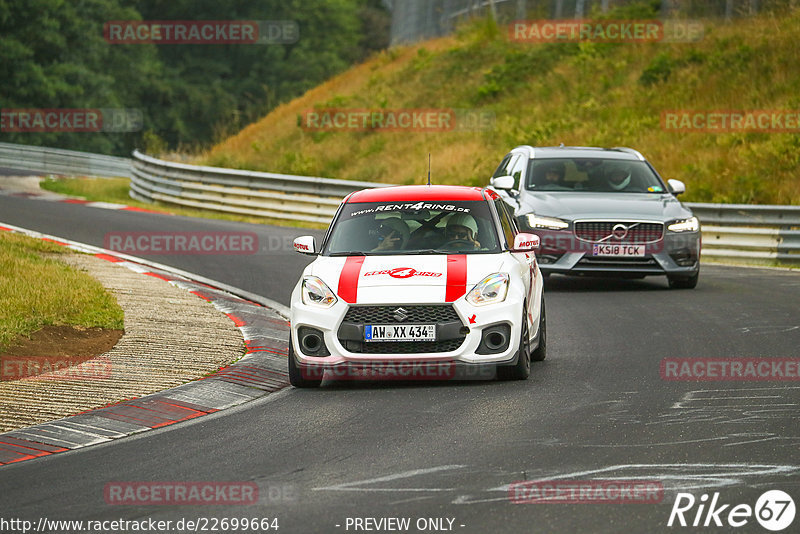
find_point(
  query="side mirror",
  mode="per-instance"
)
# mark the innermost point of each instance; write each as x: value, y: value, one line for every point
x: 676, y: 187
x: 503, y: 182
x: 524, y: 242
x: 305, y: 245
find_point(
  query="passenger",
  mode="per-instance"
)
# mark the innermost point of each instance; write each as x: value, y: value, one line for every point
x: 552, y: 176
x: 393, y: 233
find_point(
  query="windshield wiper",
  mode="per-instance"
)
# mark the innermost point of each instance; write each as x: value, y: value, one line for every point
x: 348, y: 253
x: 431, y: 251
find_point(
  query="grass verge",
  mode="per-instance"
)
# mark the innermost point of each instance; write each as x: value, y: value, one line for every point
x: 116, y: 190
x: 36, y: 291
x: 587, y: 93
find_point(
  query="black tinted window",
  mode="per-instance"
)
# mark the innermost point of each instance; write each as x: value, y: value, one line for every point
x: 592, y: 175
x: 413, y: 227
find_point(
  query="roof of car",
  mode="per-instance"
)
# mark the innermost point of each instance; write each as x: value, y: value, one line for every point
x: 411, y: 193
x: 582, y: 152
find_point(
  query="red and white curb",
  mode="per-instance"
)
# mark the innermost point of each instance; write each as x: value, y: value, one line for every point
x: 55, y: 197
x: 261, y: 371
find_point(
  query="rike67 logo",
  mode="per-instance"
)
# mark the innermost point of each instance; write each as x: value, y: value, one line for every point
x: 774, y: 510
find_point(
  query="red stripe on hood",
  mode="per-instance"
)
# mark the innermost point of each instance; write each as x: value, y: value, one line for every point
x: 456, y: 277
x: 348, y: 279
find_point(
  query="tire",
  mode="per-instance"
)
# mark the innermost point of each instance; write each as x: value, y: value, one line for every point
x: 296, y: 375
x: 522, y: 369
x: 540, y: 353
x: 683, y: 283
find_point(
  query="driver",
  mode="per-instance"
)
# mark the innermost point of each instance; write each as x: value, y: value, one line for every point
x: 461, y: 227
x: 618, y: 176
x: 554, y: 173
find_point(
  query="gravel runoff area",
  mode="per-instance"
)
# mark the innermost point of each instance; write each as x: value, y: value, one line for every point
x: 171, y: 337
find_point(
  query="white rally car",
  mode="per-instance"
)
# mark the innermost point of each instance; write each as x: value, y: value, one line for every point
x: 418, y: 282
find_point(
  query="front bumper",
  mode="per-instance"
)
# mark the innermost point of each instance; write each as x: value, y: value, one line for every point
x: 460, y: 346
x: 675, y: 254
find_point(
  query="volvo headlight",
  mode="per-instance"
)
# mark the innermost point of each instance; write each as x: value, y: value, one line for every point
x: 316, y: 293
x: 490, y: 290
x: 550, y: 223
x: 685, y: 225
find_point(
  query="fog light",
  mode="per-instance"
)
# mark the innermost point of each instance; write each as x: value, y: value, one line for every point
x: 495, y: 339
x: 312, y: 342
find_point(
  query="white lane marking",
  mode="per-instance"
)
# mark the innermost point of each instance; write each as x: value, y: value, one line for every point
x: 751, y: 397
x: 106, y: 205
x: 754, y: 441
x: 468, y: 499
x: 772, y: 329
x: 349, y: 486
x: 648, y: 445
x: 412, y: 499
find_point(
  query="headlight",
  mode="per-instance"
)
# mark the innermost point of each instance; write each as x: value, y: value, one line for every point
x: 685, y: 225
x: 316, y: 293
x: 490, y: 290
x: 551, y: 223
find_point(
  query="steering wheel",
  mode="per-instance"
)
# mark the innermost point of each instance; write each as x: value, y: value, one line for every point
x: 457, y: 244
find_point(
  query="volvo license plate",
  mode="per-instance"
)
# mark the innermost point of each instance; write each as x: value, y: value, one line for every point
x: 617, y: 250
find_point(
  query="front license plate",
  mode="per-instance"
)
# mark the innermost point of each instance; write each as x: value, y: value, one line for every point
x: 398, y: 332
x: 617, y: 250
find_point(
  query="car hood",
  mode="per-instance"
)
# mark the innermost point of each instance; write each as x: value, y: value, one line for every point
x: 400, y: 279
x: 572, y: 205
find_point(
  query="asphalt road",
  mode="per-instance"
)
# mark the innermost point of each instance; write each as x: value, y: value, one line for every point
x: 597, y: 408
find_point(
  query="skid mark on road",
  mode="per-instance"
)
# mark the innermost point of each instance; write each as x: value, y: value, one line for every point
x: 358, y: 485
x: 674, y: 477
x: 737, y: 405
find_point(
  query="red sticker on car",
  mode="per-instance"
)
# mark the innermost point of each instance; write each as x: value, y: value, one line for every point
x: 456, y: 277
x: 348, y: 279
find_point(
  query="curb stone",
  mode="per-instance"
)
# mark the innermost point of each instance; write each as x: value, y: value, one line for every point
x: 261, y: 371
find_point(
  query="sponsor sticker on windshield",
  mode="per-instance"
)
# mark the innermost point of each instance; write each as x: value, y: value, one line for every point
x: 411, y: 206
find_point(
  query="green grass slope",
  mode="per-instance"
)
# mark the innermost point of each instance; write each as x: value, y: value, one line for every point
x: 592, y: 94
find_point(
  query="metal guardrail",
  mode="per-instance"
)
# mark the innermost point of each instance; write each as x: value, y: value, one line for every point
x: 740, y: 232
x: 745, y: 232
x: 730, y: 231
x: 263, y: 194
x: 58, y: 161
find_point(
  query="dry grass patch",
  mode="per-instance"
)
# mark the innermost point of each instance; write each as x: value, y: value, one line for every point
x: 36, y: 291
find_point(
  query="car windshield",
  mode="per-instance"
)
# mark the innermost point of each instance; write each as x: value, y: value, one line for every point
x: 592, y: 175
x: 441, y: 227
